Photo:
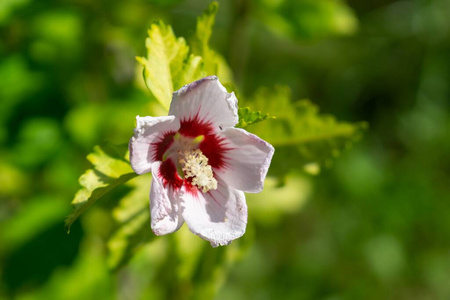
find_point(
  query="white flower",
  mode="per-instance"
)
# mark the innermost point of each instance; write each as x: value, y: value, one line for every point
x: 200, y: 163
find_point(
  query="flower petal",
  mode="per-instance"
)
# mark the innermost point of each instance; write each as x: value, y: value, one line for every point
x: 206, y: 100
x: 164, y: 207
x: 247, y: 160
x: 152, y: 136
x: 218, y: 216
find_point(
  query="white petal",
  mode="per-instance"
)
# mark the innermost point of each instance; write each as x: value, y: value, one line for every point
x: 143, y: 145
x: 164, y: 207
x: 247, y: 161
x: 208, y: 100
x: 218, y: 216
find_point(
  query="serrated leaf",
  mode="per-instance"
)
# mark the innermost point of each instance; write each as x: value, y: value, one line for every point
x: 110, y: 160
x: 191, y: 71
x: 300, y: 133
x: 203, y: 32
x: 111, y: 169
x: 248, y: 117
x: 214, y: 63
x: 205, y: 23
x: 168, y: 65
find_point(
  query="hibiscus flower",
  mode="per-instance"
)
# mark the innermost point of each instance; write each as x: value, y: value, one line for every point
x: 201, y: 164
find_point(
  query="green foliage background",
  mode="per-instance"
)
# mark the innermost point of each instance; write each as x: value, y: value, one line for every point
x: 336, y: 220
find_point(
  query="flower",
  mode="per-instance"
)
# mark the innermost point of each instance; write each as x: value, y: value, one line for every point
x: 201, y: 164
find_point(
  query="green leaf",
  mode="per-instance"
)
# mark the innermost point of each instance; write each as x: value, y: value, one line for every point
x: 248, y: 117
x: 213, y: 63
x: 205, y: 23
x: 168, y: 65
x: 203, y: 32
x: 301, y: 134
x: 111, y: 169
x: 192, y: 70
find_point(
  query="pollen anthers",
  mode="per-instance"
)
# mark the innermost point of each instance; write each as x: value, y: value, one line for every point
x: 191, y: 162
x: 195, y: 165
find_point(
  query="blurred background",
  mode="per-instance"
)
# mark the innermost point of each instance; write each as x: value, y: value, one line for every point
x: 373, y: 225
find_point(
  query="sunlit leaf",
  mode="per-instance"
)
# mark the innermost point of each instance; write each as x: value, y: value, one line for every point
x: 205, y: 23
x: 301, y: 134
x: 213, y: 63
x: 168, y: 65
x: 111, y: 169
x: 190, y: 71
x: 203, y: 32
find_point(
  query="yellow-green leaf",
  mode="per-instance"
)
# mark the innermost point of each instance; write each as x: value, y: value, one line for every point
x: 300, y: 133
x: 214, y: 63
x: 111, y: 169
x: 168, y: 65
